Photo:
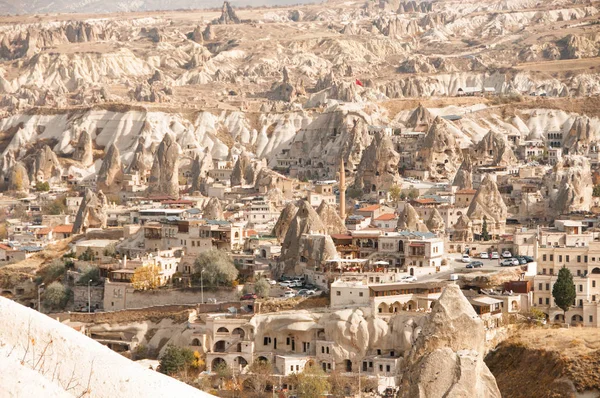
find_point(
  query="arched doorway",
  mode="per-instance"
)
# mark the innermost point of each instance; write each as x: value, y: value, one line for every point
x: 575, y: 319
x: 559, y: 318
x: 220, y: 346
x: 222, y: 330
x: 596, y: 270
x: 411, y: 305
x: 238, y: 332
x: 196, y: 343
x: 217, y: 363
x: 412, y: 271
x: 262, y: 359
x: 383, y: 308
x: 241, y: 361
x: 396, y: 307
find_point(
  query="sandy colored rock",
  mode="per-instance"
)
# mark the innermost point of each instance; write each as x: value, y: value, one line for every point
x: 447, y: 359
x: 441, y: 152
x: 46, y: 165
x: 409, y: 220
x: 378, y: 167
x: 110, y: 176
x: 285, y: 220
x: 91, y: 213
x: 84, y: 151
x: 573, y: 178
x: 228, y: 16
x: 463, y: 229
x: 213, y: 210
x: 164, y: 175
x: 488, y: 204
x: 494, y: 150
x: 420, y: 117
x: 464, y: 176
x: 436, y: 223
x: 331, y: 218
x: 18, y: 180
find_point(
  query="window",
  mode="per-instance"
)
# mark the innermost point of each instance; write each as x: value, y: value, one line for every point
x: 291, y: 368
x: 338, y: 293
x: 578, y: 272
x: 544, y: 257
x: 540, y: 285
x: 578, y: 259
x: 552, y: 257
x: 387, y: 368
x: 581, y: 303
x: 327, y: 350
x: 593, y: 283
x: 540, y: 300
x: 360, y: 294
x: 591, y: 318
x: 585, y: 259
x: 322, y: 350
x: 581, y: 288
x: 567, y: 258
x: 266, y: 340
x: 547, y: 286
x: 381, y: 368
x: 560, y: 258
x: 544, y: 271
x: 297, y: 367
x: 547, y: 301
x: 287, y: 341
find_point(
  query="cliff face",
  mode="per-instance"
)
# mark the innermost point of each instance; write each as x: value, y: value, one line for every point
x: 447, y: 358
x: 494, y: 150
x: 409, y: 220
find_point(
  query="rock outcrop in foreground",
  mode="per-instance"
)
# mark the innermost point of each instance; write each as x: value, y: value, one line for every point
x: 447, y: 358
x: 40, y: 357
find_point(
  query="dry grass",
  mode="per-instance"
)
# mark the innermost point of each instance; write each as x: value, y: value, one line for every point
x: 572, y: 342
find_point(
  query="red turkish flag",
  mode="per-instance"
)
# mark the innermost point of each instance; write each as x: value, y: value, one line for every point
x: 358, y: 82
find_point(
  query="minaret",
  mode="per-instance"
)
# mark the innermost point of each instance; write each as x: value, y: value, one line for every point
x: 342, y: 191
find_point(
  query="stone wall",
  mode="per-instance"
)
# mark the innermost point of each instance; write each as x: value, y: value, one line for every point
x: 80, y: 297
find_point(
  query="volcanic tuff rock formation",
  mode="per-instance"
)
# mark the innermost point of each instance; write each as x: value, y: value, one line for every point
x: 110, y: 176
x: 409, y: 220
x: 447, y: 358
x: 84, y: 151
x: 488, y: 204
x: 243, y: 171
x: 378, y: 167
x: 284, y: 221
x: 494, y: 150
x: 579, y: 137
x: 463, y: 229
x: 464, y: 176
x: 18, y: 180
x: 420, y: 116
x: 306, y: 221
x: 91, y: 213
x: 574, y: 180
x: 139, y: 163
x: 45, y: 165
x: 331, y: 218
x: 213, y: 210
x: 441, y: 151
x: 436, y: 223
x: 228, y: 16
x: 164, y: 175
x: 285, y: 90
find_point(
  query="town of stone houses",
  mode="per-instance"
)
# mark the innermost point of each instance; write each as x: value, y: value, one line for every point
x: 349, y: 199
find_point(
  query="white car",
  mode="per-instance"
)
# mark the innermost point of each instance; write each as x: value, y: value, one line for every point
x: 289, y: 294
x: 271, y: 282
x: 495, y: 256
x: 506, y: 254
x: 408, y: 278
x: 466, y: 258
x: 509, y: 262
x: 285, y: 284
x: 484, y: 255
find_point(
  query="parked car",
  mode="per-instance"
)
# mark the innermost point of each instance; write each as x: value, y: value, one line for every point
x: 271, y: 282
x: 484, y: 255
x: 475, y: 264
x: 248, y: 296
x: 306, y: 292
x: 285, y: 284
x: 408, y: 278
x: 289, y: 294
x: 529, y: 259
x: 506, y: 254
x: 495, y: 256
x: 466, y: 258
x: 509, y: 262
x: 521, y: 260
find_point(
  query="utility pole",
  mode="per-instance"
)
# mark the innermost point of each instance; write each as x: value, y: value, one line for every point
x: 39, y: 301
x: 89, y: 297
